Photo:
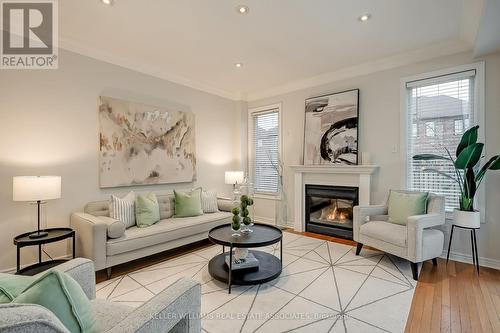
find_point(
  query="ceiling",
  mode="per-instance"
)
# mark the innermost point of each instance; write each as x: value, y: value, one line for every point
x: 283, y: 44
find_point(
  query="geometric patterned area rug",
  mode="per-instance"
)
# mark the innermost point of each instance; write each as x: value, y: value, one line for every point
x: 324, y: 287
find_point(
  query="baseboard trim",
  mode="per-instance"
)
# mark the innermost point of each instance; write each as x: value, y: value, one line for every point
x: 12, y: 270
x: 467, y: 258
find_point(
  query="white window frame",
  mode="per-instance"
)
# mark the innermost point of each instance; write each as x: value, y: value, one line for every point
x: 479, y: 97
x: 251, y: 113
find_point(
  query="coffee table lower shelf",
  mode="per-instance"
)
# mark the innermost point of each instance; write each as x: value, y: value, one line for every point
x: 269, y: 269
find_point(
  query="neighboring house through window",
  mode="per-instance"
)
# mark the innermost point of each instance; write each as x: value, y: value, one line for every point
x: 442, y: 105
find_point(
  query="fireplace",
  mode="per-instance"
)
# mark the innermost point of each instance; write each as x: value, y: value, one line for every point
x: 329, y: 209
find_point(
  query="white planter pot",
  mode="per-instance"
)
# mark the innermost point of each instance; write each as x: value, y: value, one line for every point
x: 466, y: 219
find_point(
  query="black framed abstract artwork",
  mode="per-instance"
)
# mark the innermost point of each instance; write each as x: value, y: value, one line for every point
x: 331, y: 129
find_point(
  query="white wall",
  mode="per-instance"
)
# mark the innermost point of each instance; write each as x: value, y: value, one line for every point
x: 49, y: 125
x: 380, y: 133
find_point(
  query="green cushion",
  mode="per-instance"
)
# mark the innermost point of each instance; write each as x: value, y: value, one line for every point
x: 12, y: 285
x: 404, y: 204
x: 147, y: 210
x: 64, y: 297
x: 188, y: 203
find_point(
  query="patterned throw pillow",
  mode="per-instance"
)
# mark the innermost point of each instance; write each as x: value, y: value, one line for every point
x: 209, y: 201
x: 123, y: 209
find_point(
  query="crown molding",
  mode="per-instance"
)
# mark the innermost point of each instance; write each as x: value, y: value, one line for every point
x: 399, y: 60
x: 402, y: 59
x: 142, y: 67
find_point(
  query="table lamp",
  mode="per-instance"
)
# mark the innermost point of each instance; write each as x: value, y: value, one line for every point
x: 36, y: 189
x: 234, y: 178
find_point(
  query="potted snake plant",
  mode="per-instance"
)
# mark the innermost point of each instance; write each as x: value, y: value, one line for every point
x: 468, y: 174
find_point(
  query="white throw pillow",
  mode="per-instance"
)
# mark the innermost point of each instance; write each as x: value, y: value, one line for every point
x: 123, y: 209
x: 209, y: 201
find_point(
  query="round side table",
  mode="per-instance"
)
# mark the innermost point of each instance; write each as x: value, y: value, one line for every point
x: 473, y: 241
x: 54, y: 235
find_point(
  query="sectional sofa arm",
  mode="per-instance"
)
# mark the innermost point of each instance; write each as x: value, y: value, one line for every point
x: 82, y: 271
x: 15, y: 318
x: 91, y: 236
x: 177, y: 308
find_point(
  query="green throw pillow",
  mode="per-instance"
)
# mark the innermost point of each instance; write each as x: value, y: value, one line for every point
x: 404, y: 204
x: 12, y: 285
x: 63, y: 296
x: 188, y: 204
x: 147, y: 210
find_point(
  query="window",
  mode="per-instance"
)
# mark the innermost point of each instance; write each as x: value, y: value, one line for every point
x: 443, y: 104
x: 459, y: 127
x: 414, y: 129
x: 429, y: 129
x: 265, y: 149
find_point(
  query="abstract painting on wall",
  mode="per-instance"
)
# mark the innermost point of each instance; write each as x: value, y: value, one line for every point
x: 142, y: 144
x: 331, y: 129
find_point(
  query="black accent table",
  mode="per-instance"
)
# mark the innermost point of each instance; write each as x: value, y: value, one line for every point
x: 473, y: 241
x: 54, y: 235
x: 269, y: 266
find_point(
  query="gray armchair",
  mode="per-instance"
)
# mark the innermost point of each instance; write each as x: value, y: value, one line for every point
x: 175, y: 309
x: 416, y: 241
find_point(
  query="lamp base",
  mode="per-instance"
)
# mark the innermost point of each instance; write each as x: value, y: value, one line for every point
x: 38, y: 234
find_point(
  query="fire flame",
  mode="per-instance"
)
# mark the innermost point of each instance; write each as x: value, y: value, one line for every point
x: 334, y: 214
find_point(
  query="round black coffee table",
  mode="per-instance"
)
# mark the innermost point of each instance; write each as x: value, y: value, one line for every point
x: 262, y: 235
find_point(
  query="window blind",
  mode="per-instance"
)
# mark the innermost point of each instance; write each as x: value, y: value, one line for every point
x: 266, y: 151
x: 439, y: 110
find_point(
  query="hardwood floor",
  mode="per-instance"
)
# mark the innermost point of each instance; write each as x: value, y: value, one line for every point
x: 454, y: 298
x: 448, y: 298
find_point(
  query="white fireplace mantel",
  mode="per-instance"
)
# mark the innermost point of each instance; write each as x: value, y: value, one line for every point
x: 341, y: 175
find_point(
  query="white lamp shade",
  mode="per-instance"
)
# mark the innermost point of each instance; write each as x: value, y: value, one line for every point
x: 34, y: 188
x: 234, y: 177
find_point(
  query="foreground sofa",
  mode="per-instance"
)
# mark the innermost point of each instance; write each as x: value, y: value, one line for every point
x: 93, y: 228
x: 175, y: 309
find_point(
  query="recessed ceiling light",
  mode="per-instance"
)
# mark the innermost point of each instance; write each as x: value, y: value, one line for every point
x: 238, y: 65
x: 242, y: 9
x: 107, y: 2
x: 364, y: 18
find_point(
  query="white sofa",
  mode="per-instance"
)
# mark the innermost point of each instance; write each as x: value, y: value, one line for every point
x: 92, y: 231
x: 416, y: 241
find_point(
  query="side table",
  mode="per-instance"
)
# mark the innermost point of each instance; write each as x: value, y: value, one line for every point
x: 475, y: 257
x: 54, y: 235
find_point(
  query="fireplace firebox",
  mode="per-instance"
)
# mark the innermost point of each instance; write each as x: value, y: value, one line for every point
x: 329, y: 209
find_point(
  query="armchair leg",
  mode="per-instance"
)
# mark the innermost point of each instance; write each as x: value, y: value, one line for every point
x: 434, y: 261
x: 358, y: 248
x: 414, y: 270
x: 108, y: 273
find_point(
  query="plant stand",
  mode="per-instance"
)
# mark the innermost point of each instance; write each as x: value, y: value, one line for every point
x: 475, y: 258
